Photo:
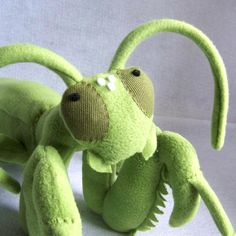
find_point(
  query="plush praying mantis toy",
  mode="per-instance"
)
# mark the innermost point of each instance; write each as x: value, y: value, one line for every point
x: 127, y: 159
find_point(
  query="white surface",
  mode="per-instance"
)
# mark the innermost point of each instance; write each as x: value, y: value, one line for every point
x: 218, y: 167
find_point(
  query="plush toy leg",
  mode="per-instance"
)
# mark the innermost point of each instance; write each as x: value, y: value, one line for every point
x: 48, y: 205
x: 187, y: 182
x: 213, y: 204
x: 95, y: 186
x: 8, y: 183
x: 132, y: 199
x: 131, y: 202
x: 12, y: 151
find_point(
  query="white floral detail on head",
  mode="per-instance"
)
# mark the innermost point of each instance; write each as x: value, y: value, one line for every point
x: 109, y: 82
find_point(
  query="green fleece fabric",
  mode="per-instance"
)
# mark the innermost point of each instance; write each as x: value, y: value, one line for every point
x: 30, y: 53
x: 127, y: 160
x: 50, y: 208
x: 122, y: 139
x: 212, y: 202
x: 84, y: 125
x: 133, y: 201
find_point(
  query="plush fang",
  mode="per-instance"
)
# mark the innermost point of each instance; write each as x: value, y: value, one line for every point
x: 127, y: 159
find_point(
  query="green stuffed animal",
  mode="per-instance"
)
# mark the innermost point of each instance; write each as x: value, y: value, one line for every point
x: 127, y: 159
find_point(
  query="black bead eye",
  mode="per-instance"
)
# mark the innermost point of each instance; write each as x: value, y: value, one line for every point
x: 136, y: 73
x: 74, y: 97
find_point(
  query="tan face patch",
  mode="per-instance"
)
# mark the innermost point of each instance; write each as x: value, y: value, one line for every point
x: 85, y: 112
x: 140, y: 87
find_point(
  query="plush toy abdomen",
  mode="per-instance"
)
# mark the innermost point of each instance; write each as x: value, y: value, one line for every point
x: 21, y: 105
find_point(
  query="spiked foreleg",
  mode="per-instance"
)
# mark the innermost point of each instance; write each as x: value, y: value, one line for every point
x: 187, y: 182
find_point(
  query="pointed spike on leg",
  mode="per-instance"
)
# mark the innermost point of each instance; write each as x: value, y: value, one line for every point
x: 158, y: 211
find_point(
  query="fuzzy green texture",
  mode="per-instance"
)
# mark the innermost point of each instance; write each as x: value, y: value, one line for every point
x: 30, y: 53
x: 22, y: 130
x: 133, y: 201
x: 34, y: 133
x: 50, y: 208
x: 181, y: 162
x: 124, y: 170
x: 213, y: 204
x: 141, y: 33
x: 187, y: 182
x: 122, y: 139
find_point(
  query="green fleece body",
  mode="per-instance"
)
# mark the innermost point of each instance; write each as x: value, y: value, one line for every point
x: 22, y: 103
x: 130, y: 198
x: 47, y: 202
x: 38, y: 122
x: 115, y: 147
x: 31, y: 53
x: 127, y: 160
x: 132, y: 202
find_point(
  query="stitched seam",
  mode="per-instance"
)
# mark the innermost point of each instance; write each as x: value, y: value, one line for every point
x: 59, y: 220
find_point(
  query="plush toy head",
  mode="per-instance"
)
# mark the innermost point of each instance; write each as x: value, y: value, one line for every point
x: 111, y: 114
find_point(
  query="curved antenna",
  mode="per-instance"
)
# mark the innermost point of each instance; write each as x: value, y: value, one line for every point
x: 221, y: 97
x: 31, y: 53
